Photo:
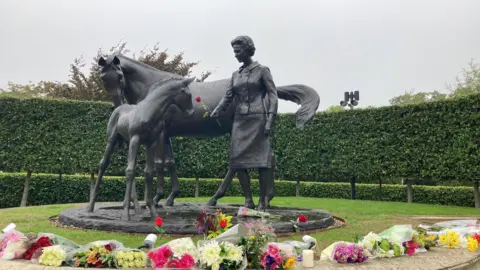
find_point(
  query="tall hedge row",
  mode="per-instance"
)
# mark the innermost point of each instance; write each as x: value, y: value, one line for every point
x: 75, y: 189
x: 437, y: 140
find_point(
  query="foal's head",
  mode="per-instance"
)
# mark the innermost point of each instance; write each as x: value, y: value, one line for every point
x: 177, y: 91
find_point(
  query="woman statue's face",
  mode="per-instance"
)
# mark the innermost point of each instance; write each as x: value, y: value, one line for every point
x: 240, y: 53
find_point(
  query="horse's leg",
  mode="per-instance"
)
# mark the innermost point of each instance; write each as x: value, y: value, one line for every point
x: 170, y: 162
x: 159, y: 168
x: 130, y: 174
x: 101, y: 170
x: 245, y: 183
x: 222, y: 189
x: 149, y: 180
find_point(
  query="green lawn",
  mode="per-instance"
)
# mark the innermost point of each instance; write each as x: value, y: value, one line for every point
x: 361, y: 216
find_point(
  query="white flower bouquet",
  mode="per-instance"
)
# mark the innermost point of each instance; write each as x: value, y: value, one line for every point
x: 216, y: 255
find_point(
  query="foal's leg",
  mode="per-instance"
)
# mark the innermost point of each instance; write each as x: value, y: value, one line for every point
x: 245, y: 183
x: 222, y: 189
x: 149, y: 180
x: 102, y: 167
x: 130, y: 174
x: 170, y: 162
x: 159, y: 160
x: 134, y: 197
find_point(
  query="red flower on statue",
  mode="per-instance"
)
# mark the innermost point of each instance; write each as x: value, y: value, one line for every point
x: 198, y: 99
x: 302, y: 218
x: 159, y: 221
x: 158, y: 225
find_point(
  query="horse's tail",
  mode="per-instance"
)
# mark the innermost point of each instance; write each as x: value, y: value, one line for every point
x: 303, y: 95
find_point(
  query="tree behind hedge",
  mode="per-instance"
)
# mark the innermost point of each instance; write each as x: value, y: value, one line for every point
x: 89, y: 86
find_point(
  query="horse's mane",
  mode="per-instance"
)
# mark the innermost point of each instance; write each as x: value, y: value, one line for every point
x: 163, y: 83
x: 138, y: 63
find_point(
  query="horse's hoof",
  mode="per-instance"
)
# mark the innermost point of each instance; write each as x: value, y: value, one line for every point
x: 90, y: 208
x: 169, y: 202
x: 261, y: 207
x: 211, y: 202
x: 157, y: 199
x: 125, y: 217
x: 249, y: 205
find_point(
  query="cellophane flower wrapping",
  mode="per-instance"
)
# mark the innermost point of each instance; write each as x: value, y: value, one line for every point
x: 129, y: 258
x: 254, y: 241
x: 308, y: 243
x: 216, y: 255
x: 279, y: 256
x: 46, y: 240
x: 15, y: 244
x: 94, y: 254
x: 179, y: 253
x: 54, y: 255
x: 345, y: 252
x: 398, y: 233
x: 232, y: 241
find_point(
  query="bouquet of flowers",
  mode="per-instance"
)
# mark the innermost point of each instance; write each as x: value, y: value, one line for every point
x: 129, y: 258
x: 95, y: 254
x: 178, y: 253
x: 164, y: 257
x: 15, y: 244
x: 255, y: 241
x: 450, y: 239
x: 222, y: 255
x: 473, y: 242
x: 246, y: 212
x: 349, y: 253
x: 213, y: 224
x: 396, y: 241
x: 278, y: 256
x: 51, y: 255
x: 46, y: 240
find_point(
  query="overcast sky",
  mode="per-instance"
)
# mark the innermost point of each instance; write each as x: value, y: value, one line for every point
x: 381, y: 48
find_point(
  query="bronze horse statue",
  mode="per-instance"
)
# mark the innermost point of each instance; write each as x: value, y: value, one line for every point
x: 125, y: 78
x: 142, y: 124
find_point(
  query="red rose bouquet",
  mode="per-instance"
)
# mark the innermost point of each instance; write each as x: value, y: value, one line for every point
x: 41, y: 242
x: 47, y: 240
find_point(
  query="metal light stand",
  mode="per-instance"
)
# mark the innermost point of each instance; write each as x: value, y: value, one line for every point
x: 351, y: 100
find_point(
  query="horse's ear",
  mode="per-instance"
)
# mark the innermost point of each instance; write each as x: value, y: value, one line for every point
x: 101, y: 61
x: 188, y: 81
x: 116, y: 61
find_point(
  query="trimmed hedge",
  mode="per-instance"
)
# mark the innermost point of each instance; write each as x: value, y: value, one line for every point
x: 431, y: 141
x: 75, y: 189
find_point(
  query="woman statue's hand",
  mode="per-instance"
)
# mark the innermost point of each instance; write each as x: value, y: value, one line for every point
x: 269, y: 125
x: 215, y: 112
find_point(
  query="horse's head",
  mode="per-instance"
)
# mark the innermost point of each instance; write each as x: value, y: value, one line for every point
x: 112, y: 76
x: 183, y: 99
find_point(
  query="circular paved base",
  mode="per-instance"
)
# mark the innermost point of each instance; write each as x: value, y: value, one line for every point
x: 436, y: 259
x: 181, y: 218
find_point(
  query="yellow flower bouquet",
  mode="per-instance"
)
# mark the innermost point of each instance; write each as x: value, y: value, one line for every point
x: 450, y: 239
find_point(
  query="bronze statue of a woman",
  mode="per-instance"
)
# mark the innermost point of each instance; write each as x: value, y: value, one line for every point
x: 256, y: 107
